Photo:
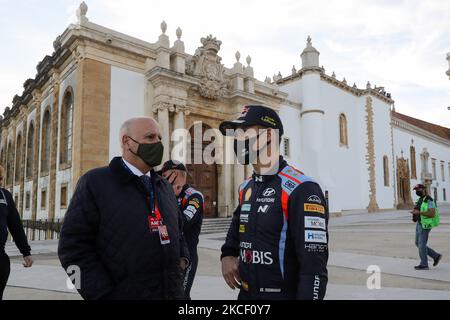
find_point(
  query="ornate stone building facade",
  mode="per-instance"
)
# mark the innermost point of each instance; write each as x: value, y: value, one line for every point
x: 67, y: 120
x: 68, y: 117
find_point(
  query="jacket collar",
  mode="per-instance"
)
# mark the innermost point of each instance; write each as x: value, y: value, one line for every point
x: 124, y: 175
x: 183, y: 190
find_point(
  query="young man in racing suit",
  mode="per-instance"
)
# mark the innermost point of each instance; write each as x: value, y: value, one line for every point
x: 277, y: 244
x: 191, y: 204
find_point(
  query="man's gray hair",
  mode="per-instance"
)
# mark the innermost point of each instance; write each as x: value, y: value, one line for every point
x: 126, y: 125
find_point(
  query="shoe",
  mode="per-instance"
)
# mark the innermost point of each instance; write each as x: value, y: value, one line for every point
x: 420, y: 267
x: 436, y: 261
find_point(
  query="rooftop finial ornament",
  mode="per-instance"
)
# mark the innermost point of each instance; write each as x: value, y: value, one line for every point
x: 237, y: 55
x: 179, y: 32
x: 368, y: 86
x: 81, y: 13
x: 163, y: 27
x: 249, y: 60
x: 308, y: 41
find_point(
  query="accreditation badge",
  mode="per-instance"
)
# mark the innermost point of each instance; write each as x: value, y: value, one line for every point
x: 163, y: 235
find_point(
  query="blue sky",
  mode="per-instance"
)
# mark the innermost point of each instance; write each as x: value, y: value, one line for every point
x: 400, y: 45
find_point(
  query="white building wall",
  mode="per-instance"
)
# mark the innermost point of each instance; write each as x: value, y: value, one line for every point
x: 127, y: 101
x: 346, y: 166
x: 402, y: 142
x: 290, y: 117
x: 383, y: 147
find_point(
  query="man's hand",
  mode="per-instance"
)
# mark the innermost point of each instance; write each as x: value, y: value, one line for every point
x: 415, y: 211
x: 27, y: 261
x: 184, y: 263
x: 230, y: 272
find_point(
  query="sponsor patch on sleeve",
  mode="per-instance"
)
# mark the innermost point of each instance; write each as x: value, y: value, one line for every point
x: 315, y: 236
x: 315, y: 223
x: 194, y: 202
x: 189, y: 212
x: 242, y: 228
x: 310, y: 207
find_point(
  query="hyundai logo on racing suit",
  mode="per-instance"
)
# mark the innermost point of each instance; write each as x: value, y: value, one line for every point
x: 268, y: 192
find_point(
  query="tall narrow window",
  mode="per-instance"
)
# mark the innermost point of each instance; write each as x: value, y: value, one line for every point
x: 343, y: 136
x: 442, y: 171
x: 45, y: 143
x: 412, y: 153
x: 386, y: 171
x: 433, y: 168
x: 30, y: 151
x: 2, y: 157
x: 18, y: 172
x: 65, y: 155
x: 43, y: 199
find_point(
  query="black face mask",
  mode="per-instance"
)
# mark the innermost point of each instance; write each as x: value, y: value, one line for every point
x: 420, y: 193
x: 150, y: 153
x: 242, y: 150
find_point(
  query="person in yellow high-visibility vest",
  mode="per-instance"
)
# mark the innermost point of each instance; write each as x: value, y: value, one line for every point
x: 426, y: 214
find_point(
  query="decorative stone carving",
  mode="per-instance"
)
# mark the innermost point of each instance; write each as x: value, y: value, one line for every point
x: 161, y: 106
x: 370, y: 157
x: 163, y: 27
x: 206, y: 65
x: 294, y: 70
x: 81, y: 13
x: 57, y: 43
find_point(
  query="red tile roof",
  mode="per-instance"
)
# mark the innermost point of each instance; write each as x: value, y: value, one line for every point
x: 442, y: 132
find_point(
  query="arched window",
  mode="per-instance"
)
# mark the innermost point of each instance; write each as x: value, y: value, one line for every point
x: 412, y: 153
x: 45, y: 143
x: 10, y: 164
x: 18, y: 165
x: 65, y: 142
x: 2, y: 157
x: 343, y: 136
x: 30, y: 151
x: 386, y: 171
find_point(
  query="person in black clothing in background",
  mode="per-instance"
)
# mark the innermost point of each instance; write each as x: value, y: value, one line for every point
x: 10, y: 220
x: 191, y: 204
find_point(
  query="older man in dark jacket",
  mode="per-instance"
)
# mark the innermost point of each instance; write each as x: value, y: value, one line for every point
x: 122, y: 230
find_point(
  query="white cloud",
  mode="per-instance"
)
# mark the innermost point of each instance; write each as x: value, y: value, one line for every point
x: 398, y: 44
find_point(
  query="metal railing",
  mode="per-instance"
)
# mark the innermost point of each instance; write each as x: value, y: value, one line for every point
x: 42, y: 229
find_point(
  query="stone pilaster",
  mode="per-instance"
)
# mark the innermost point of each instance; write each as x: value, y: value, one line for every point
x: 22, y: 196
x: 91, y: 116
x: 370, y: 157
x: 53, y: 148
x: 37, y: 128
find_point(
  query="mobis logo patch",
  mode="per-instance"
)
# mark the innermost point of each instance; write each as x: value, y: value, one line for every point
x: 250, y: 256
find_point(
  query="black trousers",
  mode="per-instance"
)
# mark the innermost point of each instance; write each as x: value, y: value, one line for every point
x: 5, y: 269
x: 190, y: 275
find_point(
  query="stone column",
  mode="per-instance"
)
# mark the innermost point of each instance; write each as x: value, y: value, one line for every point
x: 180, y: 135
x: 163, y: 119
